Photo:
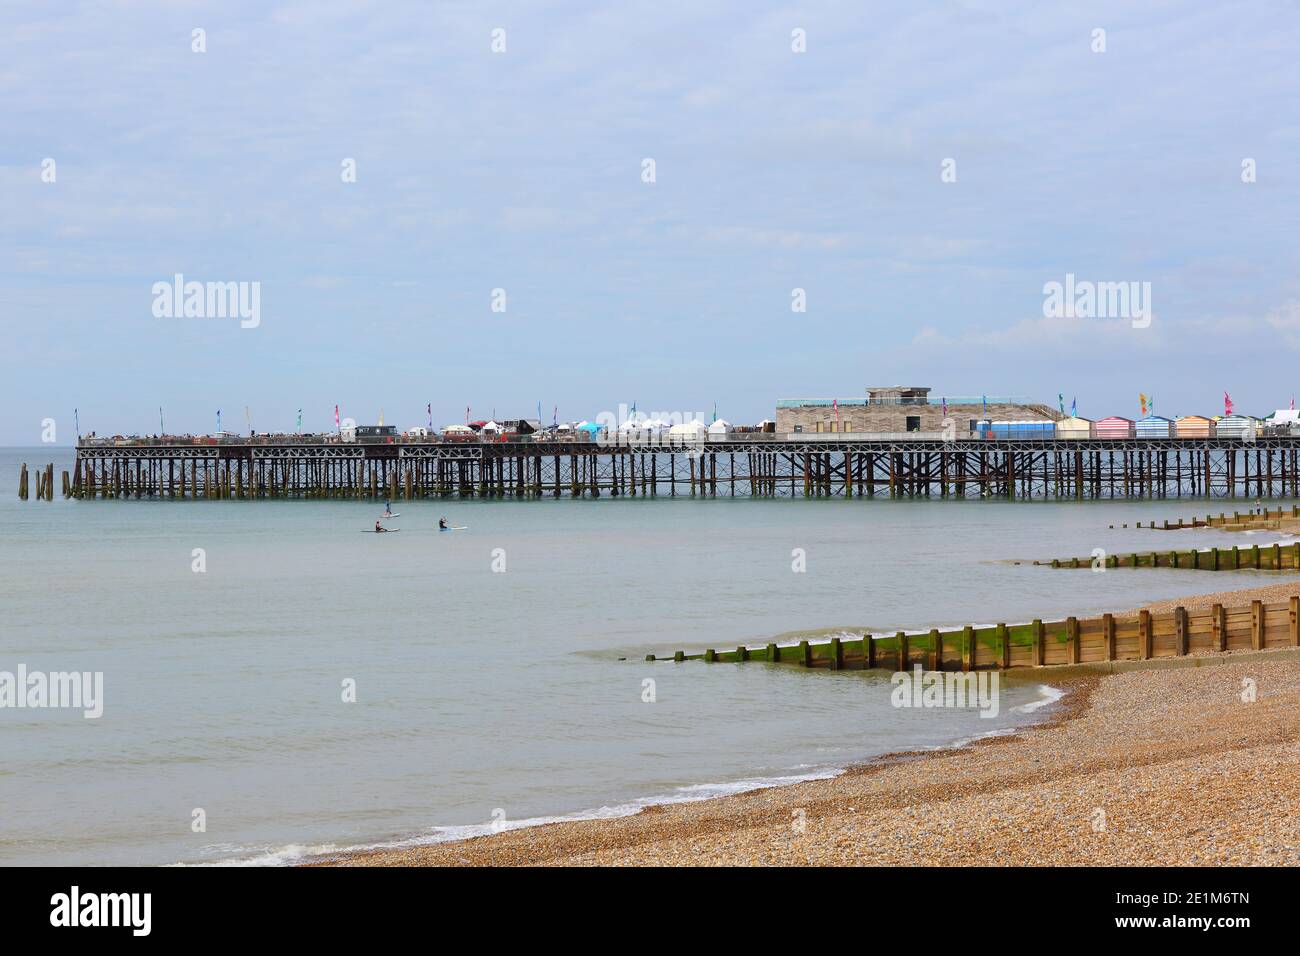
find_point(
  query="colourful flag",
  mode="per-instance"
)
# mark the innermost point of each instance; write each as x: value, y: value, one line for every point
x: 985, y: 400
x: 944, y: 401
x: 1074, y: 407
x: 299, y: 427
x: 835, y: 404
x: 1060, y: 402
x: 1293, y: 403
x: 715, y: 411
x: 1227, y: 404
x: 1143, y: 399
x: 555, y: 415
x: 337, y: 423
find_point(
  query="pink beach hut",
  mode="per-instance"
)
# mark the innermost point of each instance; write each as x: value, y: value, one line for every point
x: 1115, y: 427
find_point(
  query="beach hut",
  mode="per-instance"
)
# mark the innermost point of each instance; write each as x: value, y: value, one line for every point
x: 1153, y: 426
x: 1115, y: 427
x: 1037, y: 428
x: 1075, y: 427
x: 1236, y: 426
x: 1194, y: 426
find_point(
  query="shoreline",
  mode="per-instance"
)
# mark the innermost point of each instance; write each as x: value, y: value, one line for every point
x: 1179, y: 768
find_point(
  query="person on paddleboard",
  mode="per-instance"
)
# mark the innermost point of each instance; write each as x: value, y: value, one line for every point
x: 442, y: 524
x: 380, y: 528
x: 388, y: 509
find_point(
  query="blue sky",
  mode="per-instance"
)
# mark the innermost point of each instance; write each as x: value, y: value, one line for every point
x: 522, y: 170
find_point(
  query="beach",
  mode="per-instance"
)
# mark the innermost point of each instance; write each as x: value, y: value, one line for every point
x: 1170, y: 765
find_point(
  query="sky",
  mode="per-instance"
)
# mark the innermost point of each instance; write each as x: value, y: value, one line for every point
x: 920, y: 170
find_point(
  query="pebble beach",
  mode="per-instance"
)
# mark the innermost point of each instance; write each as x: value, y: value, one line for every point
x: 1187, y: 765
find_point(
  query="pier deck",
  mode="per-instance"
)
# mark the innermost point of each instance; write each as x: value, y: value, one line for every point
x: 753, y: 466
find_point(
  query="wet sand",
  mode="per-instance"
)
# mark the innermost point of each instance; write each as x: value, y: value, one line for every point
x: 1149, y: 767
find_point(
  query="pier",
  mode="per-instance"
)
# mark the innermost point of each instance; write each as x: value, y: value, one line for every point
x: 760, y: 465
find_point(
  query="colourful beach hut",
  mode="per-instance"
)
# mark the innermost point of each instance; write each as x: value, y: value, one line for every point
x: 1194, y: 426
x: 1115, y: 427
x: 1236, y: 426
x: 1075, y: 427
x: 1153, y: 426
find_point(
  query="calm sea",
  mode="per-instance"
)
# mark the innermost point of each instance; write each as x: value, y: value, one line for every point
x: 483, y: 694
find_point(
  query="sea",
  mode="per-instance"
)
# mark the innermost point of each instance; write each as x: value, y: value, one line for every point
x: 279, y: 687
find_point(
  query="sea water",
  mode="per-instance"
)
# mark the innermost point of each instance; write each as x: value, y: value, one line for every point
x: 304, y: 688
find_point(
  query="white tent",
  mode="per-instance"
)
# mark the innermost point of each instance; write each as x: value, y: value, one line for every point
x: 1286, y: 416
x: 720, y: 427
x: 491, y: 427
x: 693, y: 429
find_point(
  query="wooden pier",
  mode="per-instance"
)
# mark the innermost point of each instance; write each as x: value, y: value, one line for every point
x: 758, y: 466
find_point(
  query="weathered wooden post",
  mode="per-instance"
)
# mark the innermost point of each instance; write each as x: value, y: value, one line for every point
x: 1257, y: 625
x: 1040, y: 649
x: 1108, y: 635
x: 1219, y: 627
x: 1072, y: 638
x: 837, y: 654
x: 967, y: 648
x: 936, y: 650
x: 904, y: 651
x: 1180, y: 631
x: 773, y: 653
x: 1293, y: 621
x: 1144, y: 635
x: 805, y: 654
x: 868, y: 652
x: 1004, y: 646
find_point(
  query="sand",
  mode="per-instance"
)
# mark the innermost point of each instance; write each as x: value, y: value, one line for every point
x: 1151, y: 767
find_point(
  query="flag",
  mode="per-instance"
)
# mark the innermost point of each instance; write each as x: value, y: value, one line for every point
x: 161, y: 430
x: 77, y: 421
x: 299, y: 429
x: 381, y: 416
x: 539, y: 413
x: 248, y: 417
x: 555, y: 415
x: 1227, y: 404
x: 218, y: 419
x: 715, y: 411
x: 336, y: 418
x: 1293, y: 403
x: 944, y: 401
x: 1143, y: 400
x: 835, y: 404
x: 466, y: 414
x: 985, y: 400
x: 1074, y: 407
x: 429, y: 408
x: 1060, y: 402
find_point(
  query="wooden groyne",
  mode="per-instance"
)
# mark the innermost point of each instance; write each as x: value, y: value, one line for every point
x: 1274, y: 557
x: 1259, y: 519
x: 767, y: 465
x: 1110, y: 637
